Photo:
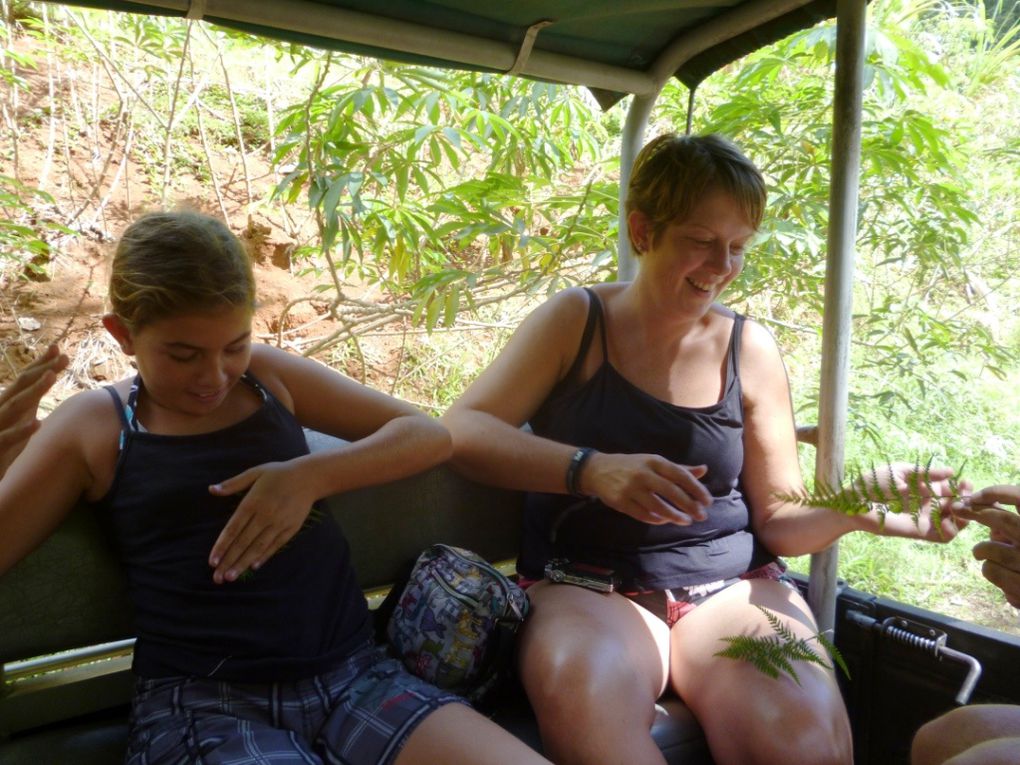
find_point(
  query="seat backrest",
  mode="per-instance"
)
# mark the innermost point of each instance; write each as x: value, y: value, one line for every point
x: 68, y: 593
x: 389, y: 525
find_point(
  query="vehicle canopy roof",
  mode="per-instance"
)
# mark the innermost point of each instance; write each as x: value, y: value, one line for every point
x: 612, y: 47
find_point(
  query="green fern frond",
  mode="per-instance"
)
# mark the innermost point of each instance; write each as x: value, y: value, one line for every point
x: 857, y: 497
x: 764, y: 653
x: 834, y: 653
x: 776, y: 653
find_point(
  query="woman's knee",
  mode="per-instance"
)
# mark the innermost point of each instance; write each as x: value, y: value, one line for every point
x: 590, y: 711
x: 768, y: 721
x: 590, y: 652
x: 588, y: 673
x: 592, y: 691
x: 812, y: 729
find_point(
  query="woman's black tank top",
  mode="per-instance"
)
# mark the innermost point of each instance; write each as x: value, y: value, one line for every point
x: 611, y: 414
x: 300, y: 614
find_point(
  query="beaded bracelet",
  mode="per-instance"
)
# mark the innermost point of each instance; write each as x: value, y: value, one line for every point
x: 574, y: 470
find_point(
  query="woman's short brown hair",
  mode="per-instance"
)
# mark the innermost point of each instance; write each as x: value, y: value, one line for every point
x: 672, y: 173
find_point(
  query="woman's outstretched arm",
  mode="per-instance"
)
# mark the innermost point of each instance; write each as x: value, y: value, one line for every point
x: 771, y: 468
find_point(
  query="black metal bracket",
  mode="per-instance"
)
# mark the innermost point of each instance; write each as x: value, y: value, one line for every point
x: 926, y: 639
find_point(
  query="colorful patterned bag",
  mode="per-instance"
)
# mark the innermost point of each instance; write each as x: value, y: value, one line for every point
x: 455, y: 621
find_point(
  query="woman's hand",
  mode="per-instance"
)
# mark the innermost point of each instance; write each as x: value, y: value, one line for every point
x: 915, y: 488
x: 647, y: 487
x: 19, y: 403
x: 270, y: 514
x: 1001, y: 554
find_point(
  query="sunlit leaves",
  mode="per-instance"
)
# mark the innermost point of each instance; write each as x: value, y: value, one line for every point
x: 24, y: 234
x: 425, y: 177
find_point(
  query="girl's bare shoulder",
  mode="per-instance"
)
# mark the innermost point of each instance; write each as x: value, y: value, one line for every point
x: 97, y: 404
x: 87, y: 421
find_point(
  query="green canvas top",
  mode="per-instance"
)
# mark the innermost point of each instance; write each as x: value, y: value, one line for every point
x: 612, y: 46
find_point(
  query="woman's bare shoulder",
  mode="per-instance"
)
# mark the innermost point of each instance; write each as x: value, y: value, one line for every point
x: 762, y: 369
x: 573, y: 301
x: 757, y: 340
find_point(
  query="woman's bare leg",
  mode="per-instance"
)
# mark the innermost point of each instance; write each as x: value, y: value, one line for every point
x: 593, y: 666
x: 748, y: 717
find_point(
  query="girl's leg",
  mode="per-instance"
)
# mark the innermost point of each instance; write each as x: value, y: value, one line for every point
x: 387, y: 716
x: 748, y: 717
x: 193, y: 720
x: 954, y: 733
x: 593, y: 666
x: 455, y: 734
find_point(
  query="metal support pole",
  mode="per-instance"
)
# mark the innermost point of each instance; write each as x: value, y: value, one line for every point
x: 631, y: 141
x: 839, y: 272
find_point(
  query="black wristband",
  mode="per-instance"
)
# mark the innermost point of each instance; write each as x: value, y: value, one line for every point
x: 574, y: 470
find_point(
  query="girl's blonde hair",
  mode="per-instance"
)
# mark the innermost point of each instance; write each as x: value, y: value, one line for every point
x: 171, y: 263
x: 672, y: 173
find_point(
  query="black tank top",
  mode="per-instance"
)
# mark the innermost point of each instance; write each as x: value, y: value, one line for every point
x: 611, y: 414
x: 300, y: 614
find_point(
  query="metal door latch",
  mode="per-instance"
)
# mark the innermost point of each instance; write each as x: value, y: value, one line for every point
x: 927, y: 639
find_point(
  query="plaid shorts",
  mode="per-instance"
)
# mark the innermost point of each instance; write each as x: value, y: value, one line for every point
x: 360, y: 713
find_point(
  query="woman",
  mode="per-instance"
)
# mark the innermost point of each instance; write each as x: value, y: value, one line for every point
x: 662, y: 431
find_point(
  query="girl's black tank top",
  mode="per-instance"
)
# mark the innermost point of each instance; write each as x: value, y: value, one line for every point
x: 300, y: 614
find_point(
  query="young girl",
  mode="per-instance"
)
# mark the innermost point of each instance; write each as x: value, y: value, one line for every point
x: 253, y: 635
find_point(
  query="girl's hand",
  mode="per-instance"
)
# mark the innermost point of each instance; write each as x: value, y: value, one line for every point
x: 647, y: 487
x: 911, y: 487
x: 269, y: 515
x: 19, y: 403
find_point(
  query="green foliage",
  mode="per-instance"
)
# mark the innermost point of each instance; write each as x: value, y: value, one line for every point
x: 23, y: 231
x: 775, y: 654
x: 447, y: 183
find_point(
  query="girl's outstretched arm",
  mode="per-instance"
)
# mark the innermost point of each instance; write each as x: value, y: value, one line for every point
x: 52, y: 472
x: 388, y: 439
